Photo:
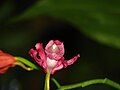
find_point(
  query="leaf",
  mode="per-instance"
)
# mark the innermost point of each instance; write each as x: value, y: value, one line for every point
x: 98, y: 19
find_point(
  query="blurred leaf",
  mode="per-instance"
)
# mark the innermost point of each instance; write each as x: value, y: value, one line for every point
x: 98, y: 19
x: 5, y: 11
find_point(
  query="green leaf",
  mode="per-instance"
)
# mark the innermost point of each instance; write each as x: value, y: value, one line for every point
x: 97, y: 19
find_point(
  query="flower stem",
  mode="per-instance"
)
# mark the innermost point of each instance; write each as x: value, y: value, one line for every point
x: 47, y: 81
x: 23, y: 66
x: 90, y: 82
x: 26, y: 62
x: 56, y: 82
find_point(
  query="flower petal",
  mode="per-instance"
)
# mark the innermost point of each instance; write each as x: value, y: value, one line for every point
x: 41, y: 62
x: 33, y: 54
x: 64, y: 63
x: 59, y: 66
x: 51, y: 63
x: 71, y: 61
x: 55, y: 49
x: 6, y: 59
x: 40, y: 50
x: 57, y: 42
x: 3, y: 70
x: 50, y: 43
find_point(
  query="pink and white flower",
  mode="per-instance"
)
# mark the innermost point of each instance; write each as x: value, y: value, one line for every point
x: 51, y: 59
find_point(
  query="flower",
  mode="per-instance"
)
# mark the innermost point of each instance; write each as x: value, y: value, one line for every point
x: 6, y: 61
x: 51, y: 59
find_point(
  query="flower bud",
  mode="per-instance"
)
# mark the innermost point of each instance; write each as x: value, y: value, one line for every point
x: 6, y: 61
x: 54, y: 49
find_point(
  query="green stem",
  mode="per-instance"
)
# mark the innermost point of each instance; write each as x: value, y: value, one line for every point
x: 23, y: 66
x: 90, y: 82
x: 26, y: 62
x: 47, y: 81
x: 56, y: 82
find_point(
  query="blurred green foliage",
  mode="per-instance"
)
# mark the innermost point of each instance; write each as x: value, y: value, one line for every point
x: 98, y: 19
x: 5, y: 10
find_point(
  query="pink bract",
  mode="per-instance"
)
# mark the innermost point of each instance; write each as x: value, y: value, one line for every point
x: 51, y: 59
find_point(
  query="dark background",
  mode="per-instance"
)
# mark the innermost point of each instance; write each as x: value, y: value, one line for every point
x: 17, y: 36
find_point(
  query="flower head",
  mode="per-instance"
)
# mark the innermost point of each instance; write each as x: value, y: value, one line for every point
x: 6, y: 61
x: 54, y: 49
x: 51, y: 59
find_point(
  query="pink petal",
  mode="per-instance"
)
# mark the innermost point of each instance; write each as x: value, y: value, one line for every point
x: 40, y: 61
x: 61, y: 47
x: 33, y: 54
x: 57, y: 67
x: 51, y: 63
x: 40, y: 50
x: 50, y: 43
x: 57, y: 42
x: 54, y: 49
x: 64, y: 63
x: 71, y: 61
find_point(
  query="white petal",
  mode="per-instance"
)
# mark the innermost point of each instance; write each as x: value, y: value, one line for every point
x: 51, y: 63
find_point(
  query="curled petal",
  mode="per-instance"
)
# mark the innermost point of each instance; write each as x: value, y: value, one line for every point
x: 71, y: 61
x: 40, y: 50
x: 59, y: 66
x: 50, y: 43
x: 54, y: 49
x: 57, y: 42
x: 40, y: 61
x: 33, y: 54
x: 64, y: 63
